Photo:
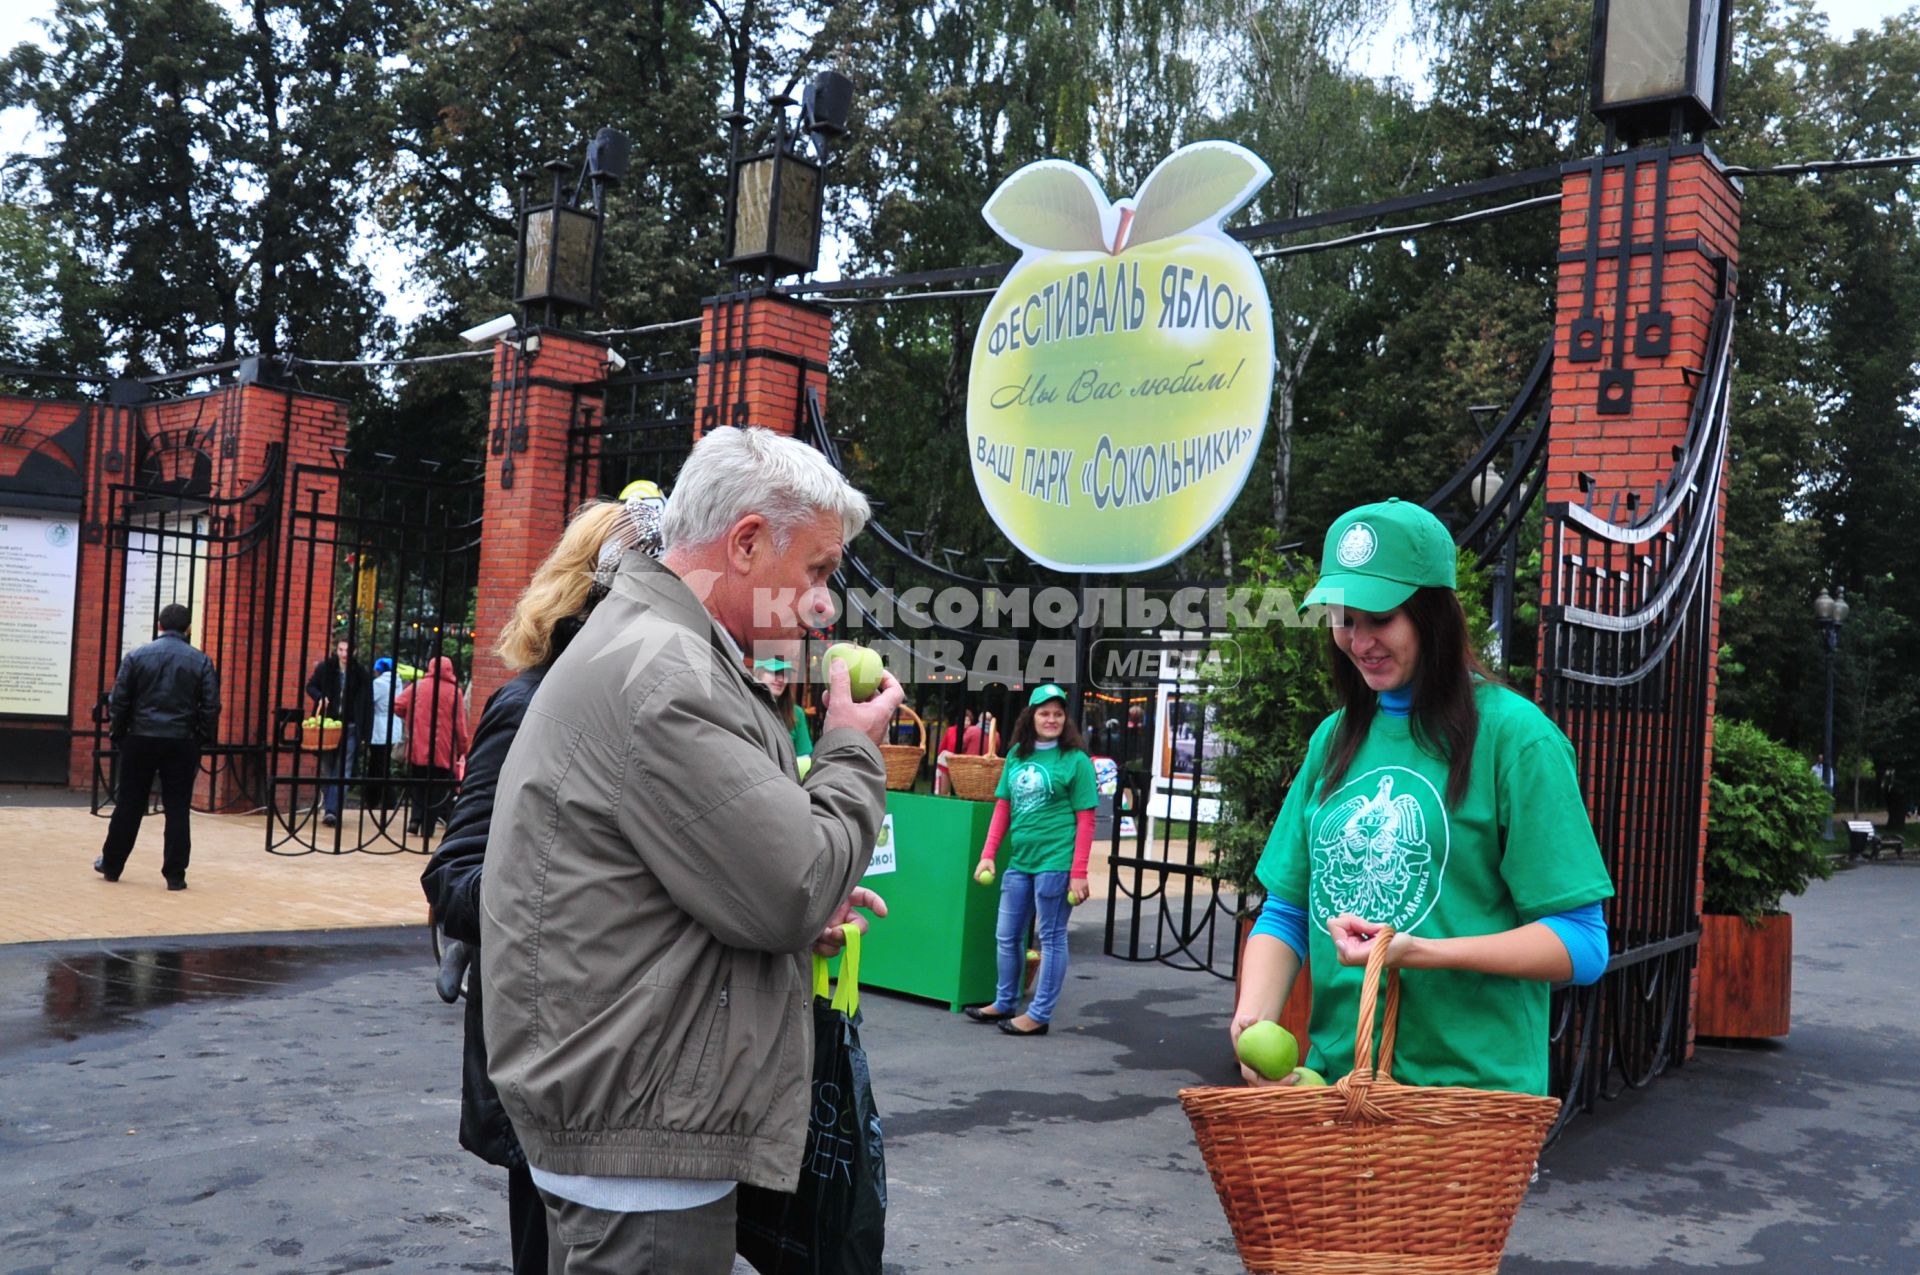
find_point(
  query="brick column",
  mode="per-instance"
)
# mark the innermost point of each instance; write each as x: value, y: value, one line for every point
x: 759, y: 354
x: 535, y: 395
x: 1623, y: 389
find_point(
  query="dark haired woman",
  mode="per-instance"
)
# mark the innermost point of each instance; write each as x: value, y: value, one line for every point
x: 1044, y: 807
x: 1439, y: 803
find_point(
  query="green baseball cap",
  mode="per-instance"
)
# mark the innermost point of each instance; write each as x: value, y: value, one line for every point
x: 1041, y: 694
x: 1377, y: 555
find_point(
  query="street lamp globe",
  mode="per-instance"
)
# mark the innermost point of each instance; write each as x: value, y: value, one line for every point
x: 1823, y: 606
x: 1485, y: 486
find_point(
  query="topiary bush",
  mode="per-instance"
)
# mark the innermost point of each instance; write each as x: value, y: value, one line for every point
x: 1765, y: 810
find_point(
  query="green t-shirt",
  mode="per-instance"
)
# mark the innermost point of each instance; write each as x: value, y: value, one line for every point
x: 1045, y: 790
x: 1384, y: 846
x: 802, y: 736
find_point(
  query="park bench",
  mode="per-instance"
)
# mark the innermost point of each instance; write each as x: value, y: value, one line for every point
x: 1862, y: 839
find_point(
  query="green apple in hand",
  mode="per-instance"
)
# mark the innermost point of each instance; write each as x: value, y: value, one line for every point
x: 985, y: 875
x: 864, y: 669
x: 1269, y: 1049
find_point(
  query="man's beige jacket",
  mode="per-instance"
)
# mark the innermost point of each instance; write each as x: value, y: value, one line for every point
x: 655, y: 876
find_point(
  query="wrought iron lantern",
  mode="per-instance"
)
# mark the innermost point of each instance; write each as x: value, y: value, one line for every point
x: 560, y: 240
x: 777, y: 196
x: 1659, y: 66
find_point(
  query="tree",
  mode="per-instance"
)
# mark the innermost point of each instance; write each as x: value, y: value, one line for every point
x: 204, y: 175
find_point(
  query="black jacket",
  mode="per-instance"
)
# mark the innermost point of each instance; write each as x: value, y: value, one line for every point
x: 354, y: 706
x: 165, y: 690
x: 452, y: 885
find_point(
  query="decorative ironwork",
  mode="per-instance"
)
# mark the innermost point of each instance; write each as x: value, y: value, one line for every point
x: 1625, y: 670
x: 216, y: 555
x: 391, y: 560
x: 637, y: 424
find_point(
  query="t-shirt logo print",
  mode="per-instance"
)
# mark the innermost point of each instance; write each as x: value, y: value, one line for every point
x: 1357, y: 545
x: 1031, y: 788
x: 1372, y: 852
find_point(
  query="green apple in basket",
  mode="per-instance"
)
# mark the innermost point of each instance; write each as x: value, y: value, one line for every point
x: 1308, y: 1078
x: 1269, y: 1049
x: 864, y: 669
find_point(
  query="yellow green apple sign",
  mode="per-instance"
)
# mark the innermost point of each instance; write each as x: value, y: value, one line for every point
x: 1122, y: 373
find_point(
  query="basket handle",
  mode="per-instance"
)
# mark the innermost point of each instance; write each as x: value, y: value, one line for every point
x: 919, y: 726
x: 1363, y: 1063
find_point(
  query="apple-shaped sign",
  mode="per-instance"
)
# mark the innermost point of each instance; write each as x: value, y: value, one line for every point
x: 1122, y: 373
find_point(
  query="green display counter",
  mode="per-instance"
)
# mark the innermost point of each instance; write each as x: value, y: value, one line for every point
x: 937, y: 938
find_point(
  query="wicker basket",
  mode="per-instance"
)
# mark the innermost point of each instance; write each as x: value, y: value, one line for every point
x: 974, y: 778
x: 1369, y: 1176
x: 320, y: 739
x: 903, y: 760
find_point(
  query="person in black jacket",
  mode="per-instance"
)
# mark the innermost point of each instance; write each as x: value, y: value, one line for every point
x: 165, y: 704
x: 556, y: 602
x: 340, y: 689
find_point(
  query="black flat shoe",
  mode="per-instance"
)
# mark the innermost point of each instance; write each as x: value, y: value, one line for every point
x: 979, y: 1014
x: 176, y: 883
x: 100, y: 866
x: 1011, y: 1030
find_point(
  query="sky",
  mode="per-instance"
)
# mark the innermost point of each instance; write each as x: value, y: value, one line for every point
x: 1393, y: 52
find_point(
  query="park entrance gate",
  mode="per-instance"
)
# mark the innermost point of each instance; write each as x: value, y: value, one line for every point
x: 387, y: 559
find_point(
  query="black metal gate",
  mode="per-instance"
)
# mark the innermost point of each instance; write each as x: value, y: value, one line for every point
x: 387, y: 562
x: 168, y: 539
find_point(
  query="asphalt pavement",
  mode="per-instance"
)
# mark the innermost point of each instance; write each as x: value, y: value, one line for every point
x: 288, y: 1103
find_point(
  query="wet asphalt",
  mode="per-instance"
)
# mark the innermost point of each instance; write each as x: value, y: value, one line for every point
x: 288, y: 1103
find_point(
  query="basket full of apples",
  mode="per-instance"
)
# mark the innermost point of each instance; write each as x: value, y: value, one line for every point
x: 1366, y: 1176
x: 320, y: 734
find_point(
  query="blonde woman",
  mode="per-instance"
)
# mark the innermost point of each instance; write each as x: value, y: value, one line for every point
x: 556, y: 603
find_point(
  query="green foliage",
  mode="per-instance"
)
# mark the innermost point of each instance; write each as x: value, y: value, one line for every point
x: 1278, y: 693
x: 1764, y: 816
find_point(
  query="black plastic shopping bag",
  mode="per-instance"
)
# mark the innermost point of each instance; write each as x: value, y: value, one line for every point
x: 836, y: 1221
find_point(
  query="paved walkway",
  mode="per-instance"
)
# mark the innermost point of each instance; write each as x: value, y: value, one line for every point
x: 49, y: 891
x: 286, y: 1102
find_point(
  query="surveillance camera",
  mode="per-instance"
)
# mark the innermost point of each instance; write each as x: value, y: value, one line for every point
x: 489, y: 330
x: 614, y: 360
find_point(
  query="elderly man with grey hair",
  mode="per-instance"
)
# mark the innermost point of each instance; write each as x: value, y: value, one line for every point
x: 658, y: 874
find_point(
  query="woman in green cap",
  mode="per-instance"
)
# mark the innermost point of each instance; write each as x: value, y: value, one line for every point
x: 1044, y: 805
x: 775, y: 672
x: 1435, y: 801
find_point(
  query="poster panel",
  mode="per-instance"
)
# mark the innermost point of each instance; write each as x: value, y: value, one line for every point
x: 39, y: 563
x: 166, y: 562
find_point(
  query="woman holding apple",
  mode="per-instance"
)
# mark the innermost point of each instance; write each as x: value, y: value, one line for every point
x: 1044, y: 810
x: 1436, y: 802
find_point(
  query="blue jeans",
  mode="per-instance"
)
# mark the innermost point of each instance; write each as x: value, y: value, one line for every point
x: 1021, y: 895
x: 338, y: 764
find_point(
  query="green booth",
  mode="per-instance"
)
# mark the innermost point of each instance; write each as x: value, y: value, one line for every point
x: 937, y: 940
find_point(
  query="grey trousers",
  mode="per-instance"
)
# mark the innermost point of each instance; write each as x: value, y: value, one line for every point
x: 585, y: 1241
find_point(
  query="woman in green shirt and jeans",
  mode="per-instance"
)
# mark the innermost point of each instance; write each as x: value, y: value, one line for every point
x: 1044, y: 809
x: 1439, y: 803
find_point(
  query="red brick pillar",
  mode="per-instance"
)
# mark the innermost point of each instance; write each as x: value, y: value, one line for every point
x: 760, y: 353
x: 253, y: 612
x: 1623, y: 392
x: 292, y: 619
x: 536, y: 396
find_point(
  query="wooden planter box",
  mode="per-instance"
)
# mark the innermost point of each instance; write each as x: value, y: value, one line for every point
x: 1299, y: 1007
x: 1746, y: 977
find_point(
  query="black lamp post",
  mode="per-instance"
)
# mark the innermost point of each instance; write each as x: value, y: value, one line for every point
x: 1659, y: 66
x: 1831, y: 612
x: 1484, y: 487
x: 776, y: 197
x: 560, y: 250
